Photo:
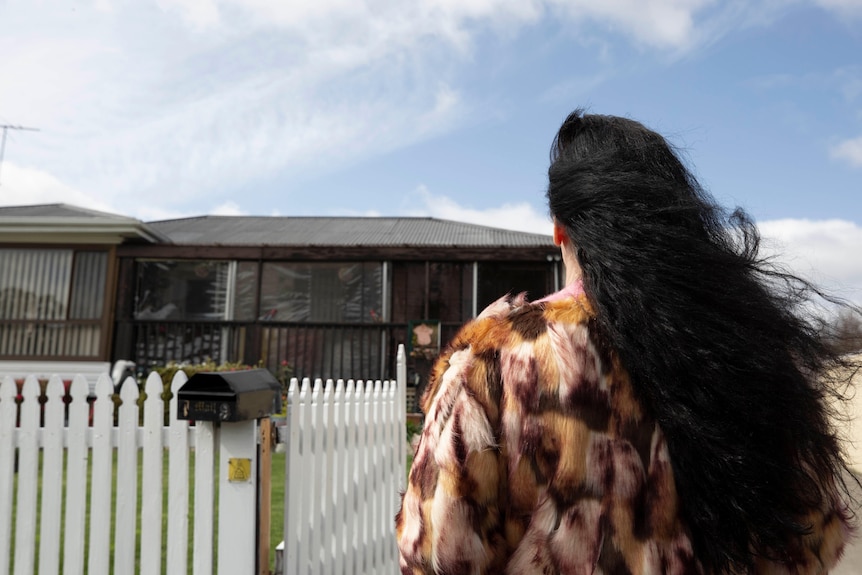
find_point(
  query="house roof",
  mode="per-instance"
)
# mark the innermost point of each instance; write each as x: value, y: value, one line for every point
x: 58, y: 211
x: 340, y: 231
x: 268, y: 236
x: 62, y: 223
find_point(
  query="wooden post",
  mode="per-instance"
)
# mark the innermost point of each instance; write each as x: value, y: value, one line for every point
x: 264, y: 495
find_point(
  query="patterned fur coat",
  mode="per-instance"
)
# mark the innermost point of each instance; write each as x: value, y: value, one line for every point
x: 536, y: 458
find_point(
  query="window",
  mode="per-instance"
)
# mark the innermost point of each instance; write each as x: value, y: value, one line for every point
x: 432, y: 290
x: 322, y: 292
x: 182, y: 290
x: 51, y: 302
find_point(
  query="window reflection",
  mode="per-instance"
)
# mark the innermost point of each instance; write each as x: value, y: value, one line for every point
x: 321, y: 292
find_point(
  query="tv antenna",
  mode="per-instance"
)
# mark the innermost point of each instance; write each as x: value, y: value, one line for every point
x: 6, y: 128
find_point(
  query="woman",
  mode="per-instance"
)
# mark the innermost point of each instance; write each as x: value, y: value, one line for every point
x: 667, y: 412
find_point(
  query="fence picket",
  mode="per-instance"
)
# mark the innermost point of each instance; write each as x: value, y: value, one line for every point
x: 127, y: 479
x: 370, y: 479
x: 352, y: 538
x: 328, y: 545
x: 378, y: 485
x: 338, y: 476
x: 52, y: 478
x: 76, y: 478
x: 305, y: 490
x: 361, y: 522
x: 178, y: 484
x: 389, y: 478
x: 8, y: 412
x: 205, y: 446
x: 401, y: 378
x: 318, y: 472
x: 292, y: 467
x: 28, y: 466
x: 399, y: 461
x: 151, y: 481
x: 98, y: 561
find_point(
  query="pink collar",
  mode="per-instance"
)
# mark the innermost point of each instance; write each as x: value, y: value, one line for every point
x: 573, y: 290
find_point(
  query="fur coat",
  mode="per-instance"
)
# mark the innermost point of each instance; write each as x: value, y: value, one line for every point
x: 536, y: 458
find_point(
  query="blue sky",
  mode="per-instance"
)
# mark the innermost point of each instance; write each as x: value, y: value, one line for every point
x: 443, y: 108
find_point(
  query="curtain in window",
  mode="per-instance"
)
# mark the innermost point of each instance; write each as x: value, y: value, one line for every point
x: 47, y: 297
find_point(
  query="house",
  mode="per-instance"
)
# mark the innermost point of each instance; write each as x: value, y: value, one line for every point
x: 328, y: 296
x: 57, y: 287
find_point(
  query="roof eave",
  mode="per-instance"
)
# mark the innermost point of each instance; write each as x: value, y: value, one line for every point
x: 110, y: 230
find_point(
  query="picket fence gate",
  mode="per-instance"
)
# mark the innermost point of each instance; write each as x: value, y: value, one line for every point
x: 347, y: 442
x: 342, y: 479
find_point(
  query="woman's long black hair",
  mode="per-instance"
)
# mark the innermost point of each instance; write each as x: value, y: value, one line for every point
x: 716, y: 339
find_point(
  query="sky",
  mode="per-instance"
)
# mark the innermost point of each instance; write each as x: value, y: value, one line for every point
x: 161, y: 109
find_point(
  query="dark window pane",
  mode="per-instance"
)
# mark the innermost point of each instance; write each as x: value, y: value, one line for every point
x: 245, y: 298
x: 499, y: 278
x: 185, y: 290
x: 446, y: 295
x: 408, y: 291
x: 448, y: 292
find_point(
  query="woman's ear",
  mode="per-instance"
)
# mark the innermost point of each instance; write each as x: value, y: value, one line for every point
x: 560, y: 236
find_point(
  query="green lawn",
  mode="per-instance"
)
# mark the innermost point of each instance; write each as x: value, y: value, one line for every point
x: 277, y: 510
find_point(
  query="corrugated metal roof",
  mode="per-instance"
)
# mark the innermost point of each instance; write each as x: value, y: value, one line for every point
x: 51, y: 223
x: 340, y: 231
x: 59, y: 211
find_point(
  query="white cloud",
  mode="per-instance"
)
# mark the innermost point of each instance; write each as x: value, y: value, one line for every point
x: 154, y: 213
x: 520, y: 216
x: 228, y: 208
x: 660, y: 23
x: 21, y: 186
x: 849, y: 151
x: 850, y: 8
x: 200, y: 14
x: 824, y: 251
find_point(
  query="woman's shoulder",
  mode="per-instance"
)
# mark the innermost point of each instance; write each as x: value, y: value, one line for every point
x: 510, y: 324
x: 512, y: 319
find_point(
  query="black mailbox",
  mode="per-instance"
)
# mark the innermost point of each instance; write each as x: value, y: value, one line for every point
x: 229, y: 396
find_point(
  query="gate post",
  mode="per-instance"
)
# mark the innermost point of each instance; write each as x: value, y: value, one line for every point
x: 237, y: 520
x: 235, y: 400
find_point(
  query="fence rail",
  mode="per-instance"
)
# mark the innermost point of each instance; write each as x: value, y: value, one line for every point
x: 345, y: 466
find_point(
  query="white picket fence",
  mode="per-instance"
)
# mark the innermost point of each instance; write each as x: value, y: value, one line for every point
x: 345, y: 464
x: 342, y: 480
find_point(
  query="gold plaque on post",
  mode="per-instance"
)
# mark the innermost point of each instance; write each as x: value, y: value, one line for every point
x: 238, y: 470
